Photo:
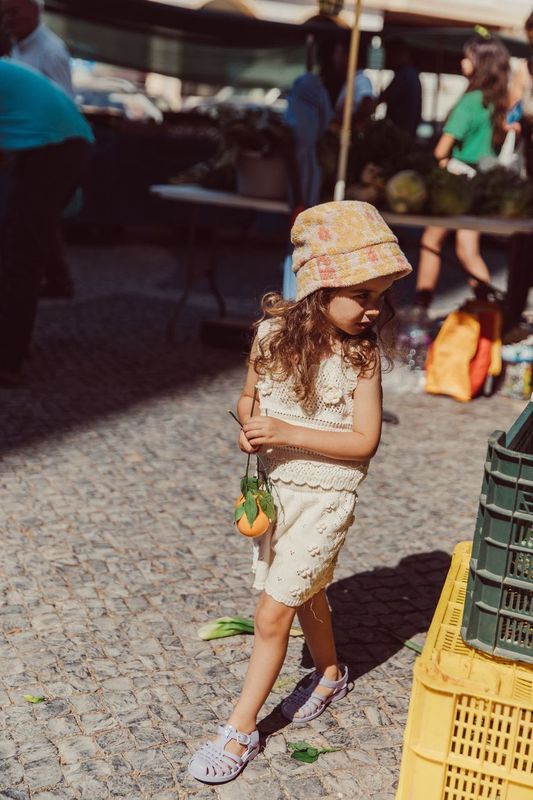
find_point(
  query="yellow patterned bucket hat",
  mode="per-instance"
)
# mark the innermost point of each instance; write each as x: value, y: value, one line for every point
x: 342, y: 244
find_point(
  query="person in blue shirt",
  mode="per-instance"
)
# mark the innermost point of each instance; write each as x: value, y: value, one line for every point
x: 49, y: 142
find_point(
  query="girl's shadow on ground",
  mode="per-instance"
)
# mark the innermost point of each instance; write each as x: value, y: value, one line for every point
x: 375, y: 612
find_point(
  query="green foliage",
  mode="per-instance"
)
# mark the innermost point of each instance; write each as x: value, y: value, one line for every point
x: 303, y: 751
x: 502, y: 192
x: 450, y: 194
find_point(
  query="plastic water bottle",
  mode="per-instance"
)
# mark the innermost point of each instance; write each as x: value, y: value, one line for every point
x: 414, y: 338
x: 518, y: 374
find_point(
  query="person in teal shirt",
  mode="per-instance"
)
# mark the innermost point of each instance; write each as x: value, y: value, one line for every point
x: 475, y: 128
x: 49, y: 142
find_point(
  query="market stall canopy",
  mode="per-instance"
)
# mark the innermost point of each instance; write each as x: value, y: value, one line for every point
x: 437, y: 49
x: 224, y: 48
x: 196, y: 45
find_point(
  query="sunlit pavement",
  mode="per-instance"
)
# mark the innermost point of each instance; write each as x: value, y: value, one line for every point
x: 119, y: 475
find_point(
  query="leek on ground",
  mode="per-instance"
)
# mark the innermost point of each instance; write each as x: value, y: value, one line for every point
x: 231, y: 626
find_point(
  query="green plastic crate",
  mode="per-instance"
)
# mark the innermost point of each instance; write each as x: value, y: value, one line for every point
x: 498, y: 615
x: 508, y: 473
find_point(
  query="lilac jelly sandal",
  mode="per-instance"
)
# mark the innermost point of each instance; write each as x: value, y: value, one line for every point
x: 212, y: 764
x: 308, y: 704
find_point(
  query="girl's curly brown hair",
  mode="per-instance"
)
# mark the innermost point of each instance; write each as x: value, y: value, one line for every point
x: 303, y: 336
x: 491, y: 61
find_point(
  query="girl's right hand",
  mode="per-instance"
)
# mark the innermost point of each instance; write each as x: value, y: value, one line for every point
x: 245, y: 445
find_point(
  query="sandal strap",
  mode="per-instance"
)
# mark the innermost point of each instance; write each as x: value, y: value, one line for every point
x: 229, y: 732
x: 329, y: 684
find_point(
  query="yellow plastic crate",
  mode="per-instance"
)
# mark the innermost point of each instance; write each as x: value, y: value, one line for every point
x: 469, y: 733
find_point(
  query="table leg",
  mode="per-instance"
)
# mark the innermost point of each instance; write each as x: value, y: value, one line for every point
x: 212, y: 271
x: 519, y: 279
x: 189, y: 275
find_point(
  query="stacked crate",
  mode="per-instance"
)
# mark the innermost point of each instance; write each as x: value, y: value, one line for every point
x: 469, y: 733
x: 498, y: 614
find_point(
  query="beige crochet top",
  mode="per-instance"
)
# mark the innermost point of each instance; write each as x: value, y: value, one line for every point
x: 332, y: 411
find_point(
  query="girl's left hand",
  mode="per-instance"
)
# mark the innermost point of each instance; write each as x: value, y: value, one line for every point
x: 267, y: 431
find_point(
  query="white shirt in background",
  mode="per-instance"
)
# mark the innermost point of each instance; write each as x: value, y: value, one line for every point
x: 362, y: 88
x: 48, y: 54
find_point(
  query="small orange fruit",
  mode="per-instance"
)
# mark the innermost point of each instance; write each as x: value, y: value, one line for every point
x: 260, y: 523
x: 260, y: 526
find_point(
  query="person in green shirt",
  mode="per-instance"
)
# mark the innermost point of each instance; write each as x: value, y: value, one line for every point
x: 475, y: 128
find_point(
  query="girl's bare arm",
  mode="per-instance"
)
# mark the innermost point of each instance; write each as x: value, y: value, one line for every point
x: 246, y: 400
x: 359, y: 444
x: 443, y: 149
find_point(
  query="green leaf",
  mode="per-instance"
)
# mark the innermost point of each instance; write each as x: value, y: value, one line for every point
x: 303, y: 751
x: 250, y: 507
x: 411, y: 645
x: 305, y: 756
x: 266, y: 503
x: 249, y: 484
x: 31, y: 698
x: 239, y: 511
x: 299, y: 746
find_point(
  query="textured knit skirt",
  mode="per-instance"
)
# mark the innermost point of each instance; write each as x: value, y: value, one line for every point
x: 296, y: 557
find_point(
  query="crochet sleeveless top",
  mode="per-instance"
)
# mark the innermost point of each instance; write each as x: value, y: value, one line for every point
x: 332, y: 410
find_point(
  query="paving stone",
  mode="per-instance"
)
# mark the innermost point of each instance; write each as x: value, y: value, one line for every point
x: 42, y: 774
x: 57, y: 794
x: 76, y: 749
x: 301, y: 788
x: 11, y: 772
x: 7, y: 748
x: 14, y: 794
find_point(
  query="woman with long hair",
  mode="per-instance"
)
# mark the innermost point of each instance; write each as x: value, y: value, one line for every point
x: 475, y: 129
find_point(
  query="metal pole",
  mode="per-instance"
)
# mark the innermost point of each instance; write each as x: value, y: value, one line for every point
x: 340, y: 186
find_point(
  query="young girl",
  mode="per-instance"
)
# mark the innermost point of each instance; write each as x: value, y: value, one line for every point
x: 316, y: 365
x: 475, y: 129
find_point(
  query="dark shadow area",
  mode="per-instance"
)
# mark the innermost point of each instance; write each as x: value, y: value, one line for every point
x: 99, y: 357
x: 375, y: 612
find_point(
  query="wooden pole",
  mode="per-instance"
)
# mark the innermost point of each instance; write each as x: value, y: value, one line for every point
x: 340, y: 186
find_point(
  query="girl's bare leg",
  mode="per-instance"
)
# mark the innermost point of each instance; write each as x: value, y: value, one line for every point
x: 429, y: 263
x: 467, y: 249
x: 315, y: 619
x: 273, y: 621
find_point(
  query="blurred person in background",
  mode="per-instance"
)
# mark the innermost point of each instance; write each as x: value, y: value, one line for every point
x: 403, y: 95
x: 48, y: 141
x: 332, y: 56
x: 476, y: 128
x: 35, y: 45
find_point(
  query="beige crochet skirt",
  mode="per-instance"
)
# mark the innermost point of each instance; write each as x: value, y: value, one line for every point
x: 296, y: 557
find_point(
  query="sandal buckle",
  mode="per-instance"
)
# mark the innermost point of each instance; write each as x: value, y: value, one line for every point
x: 243, y: 738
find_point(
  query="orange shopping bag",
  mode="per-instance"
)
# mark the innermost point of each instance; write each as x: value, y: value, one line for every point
x: 466, y: 351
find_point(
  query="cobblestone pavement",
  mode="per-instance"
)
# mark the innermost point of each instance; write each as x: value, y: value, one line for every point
x: 118, y: 475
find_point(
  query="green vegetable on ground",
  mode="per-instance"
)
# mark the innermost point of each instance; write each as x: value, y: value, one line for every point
x: 303, y: 751
x: 231, y: 626
x: 31, y: 698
